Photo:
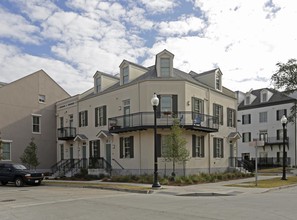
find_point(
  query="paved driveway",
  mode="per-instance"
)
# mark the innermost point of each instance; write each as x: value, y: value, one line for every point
x: 47, y: 202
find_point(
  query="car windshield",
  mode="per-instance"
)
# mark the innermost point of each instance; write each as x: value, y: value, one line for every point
x: 19, y: 167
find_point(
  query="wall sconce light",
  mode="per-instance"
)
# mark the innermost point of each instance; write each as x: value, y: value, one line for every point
x: 188, y: 103
x: 120, y: 108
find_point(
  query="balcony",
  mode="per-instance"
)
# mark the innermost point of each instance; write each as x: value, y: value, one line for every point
x: 275, y: 140
x: 145, y: 120
x: 66, y: 133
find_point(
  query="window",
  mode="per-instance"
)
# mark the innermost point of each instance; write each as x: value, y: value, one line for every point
x: 41, y: 98
x: 168, y: 103
x: 263, y: 117
x: 197, y: 146
x: 125, y: 75
x: 263, y: 135
x: 83, y: 119
x: 36, y: 123
x: 246, y: 137
x: 218, y: 113
x: 246, y: 119
x: 218, y: 148
x: 164, y: 141
x: 264, y: 97
x: 218, y: 81
x: 100, y: 116
x: 165, y: 67
x: 279, y: 134
x: 197, y: 106
x: 126, y: 147
x: 98, y: 84
x: 6, y: 151
x: 94, y: 149
x: 231, y: 117
x: 280, y: 113
x: 62, y: 151
x: 247, y: 100
x: 61, y: 122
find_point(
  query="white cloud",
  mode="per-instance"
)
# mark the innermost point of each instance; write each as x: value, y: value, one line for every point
x: 159, y: 6
x: 16, y: 27
x: 183, y: 26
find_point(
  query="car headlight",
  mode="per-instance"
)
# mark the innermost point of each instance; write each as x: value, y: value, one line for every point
x: 28, y: 175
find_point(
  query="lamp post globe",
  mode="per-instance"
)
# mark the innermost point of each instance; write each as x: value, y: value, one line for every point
x: 284, y: 121
x: 155, y: 103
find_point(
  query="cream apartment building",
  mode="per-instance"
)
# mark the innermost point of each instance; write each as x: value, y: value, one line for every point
x: 27, y: 110
x: 111, y: 125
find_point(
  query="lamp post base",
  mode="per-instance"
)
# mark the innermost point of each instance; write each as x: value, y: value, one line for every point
x: 156, y: 185
x: 284, y: 178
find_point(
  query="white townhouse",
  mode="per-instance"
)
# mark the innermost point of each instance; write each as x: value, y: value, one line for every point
x: 259, y: 117
x: 111, y: 126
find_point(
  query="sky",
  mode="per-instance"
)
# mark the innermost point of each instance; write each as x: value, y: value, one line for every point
x: 72, y: 39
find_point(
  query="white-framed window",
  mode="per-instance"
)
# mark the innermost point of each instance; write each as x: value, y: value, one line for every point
x: 218, y: 113
x: 246, y: 137
x: 247, y: 100
x: 263, y: 117
x: 127, y: 147
x: 264, y: 97
x: 125, y: 74
x: 218, y: 147
x: 6, y: 150
x: 280, y: 113
x: 246, y: 119
x: 36, y: 123
x: 197, y: 146
x: 198, y: 106
x: 165, y: 67
x: 100, y: 116
x: 218, y: 81
x: 231, y: 117
x: 83, y: 118
x: 166, y: 103
x: 98, y: 84
x: 164, y: 141
x: 41, y: 98
x: 263, y: 135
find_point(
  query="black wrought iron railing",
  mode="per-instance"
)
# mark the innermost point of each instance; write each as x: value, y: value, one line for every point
x: 143, y: 120
x: 99, y: 163
x: 66, y: 133
x: 275, y: 140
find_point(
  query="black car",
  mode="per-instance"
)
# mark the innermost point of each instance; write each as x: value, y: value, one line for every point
x: 19, y: 175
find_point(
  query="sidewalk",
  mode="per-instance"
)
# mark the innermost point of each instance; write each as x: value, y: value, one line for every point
x: 205, y: 189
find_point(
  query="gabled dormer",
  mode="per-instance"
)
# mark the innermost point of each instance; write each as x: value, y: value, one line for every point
x: 103, y: 81
x: 249, y: 98
x: 130, y: 71
x: 265, y: 95
x: 212, y: 78
x: 164, y: 64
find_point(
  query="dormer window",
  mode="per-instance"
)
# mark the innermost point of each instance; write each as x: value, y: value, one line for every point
x: 247, y: 100
x: 218, y: 81
x: 125, y: 75
x: 165, y: 67
x: 98, y: 84
x: 264, y: 97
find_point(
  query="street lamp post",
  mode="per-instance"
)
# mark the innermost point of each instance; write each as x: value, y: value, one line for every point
x: 284, y: 122
x: 155, y: 103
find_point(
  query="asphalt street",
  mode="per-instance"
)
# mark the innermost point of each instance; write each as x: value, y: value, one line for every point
x: 52, y: 202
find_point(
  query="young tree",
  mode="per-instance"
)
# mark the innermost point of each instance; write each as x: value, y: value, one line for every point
x: 175, y: 150
x: 29, y: 156
x: 286, y: 78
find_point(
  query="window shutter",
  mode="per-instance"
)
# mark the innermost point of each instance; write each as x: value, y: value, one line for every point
x: 158, y: 145
x: 202, y: 146
x: 131, y: 147
x: 98, y: 148
x: 214, y: 148
x: 193, y: 108
x: 193, y: 145
x: 79, y: 119
x: 174, y: 106
x: 159, y: 107
x: 250, y: 136
x: 222, y: 114
x: 86, y: 117
x: 90, y: 148
x: 121, y: 148
x: 222, y: 148
x: 249, y: 118
x: 96, y: 117
x: 285, y: 112
x: 104, y: 115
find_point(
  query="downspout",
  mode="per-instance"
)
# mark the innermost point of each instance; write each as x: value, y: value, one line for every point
x: 208, y: 111
x: 139, y: 132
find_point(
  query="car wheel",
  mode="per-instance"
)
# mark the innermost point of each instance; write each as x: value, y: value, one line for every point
x: 4, y: 182
x: 19, y: 182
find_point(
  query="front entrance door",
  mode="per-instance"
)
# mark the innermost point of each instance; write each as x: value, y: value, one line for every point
x: 108, y: 153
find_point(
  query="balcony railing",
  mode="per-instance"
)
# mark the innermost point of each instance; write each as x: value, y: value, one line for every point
x: 67, y: 133
x: 275, y: 140
x: 145, y: 120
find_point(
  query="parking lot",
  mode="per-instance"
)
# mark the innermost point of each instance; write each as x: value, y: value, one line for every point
x: 52, y: 202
